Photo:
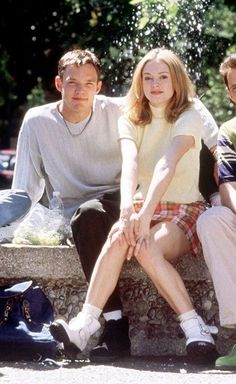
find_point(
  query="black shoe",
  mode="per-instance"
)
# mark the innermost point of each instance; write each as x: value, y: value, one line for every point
x: 113, y: 343
x: 200, y: 352
x: 59, y: 333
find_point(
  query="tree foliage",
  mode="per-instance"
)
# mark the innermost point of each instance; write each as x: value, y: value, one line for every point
x: 35, y: 34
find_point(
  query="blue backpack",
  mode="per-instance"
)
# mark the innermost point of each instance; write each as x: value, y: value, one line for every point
x: 25, y: 316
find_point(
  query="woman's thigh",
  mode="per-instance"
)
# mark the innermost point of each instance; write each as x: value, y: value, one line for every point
x: 168, y: 240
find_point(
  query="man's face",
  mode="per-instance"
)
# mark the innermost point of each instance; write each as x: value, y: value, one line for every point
x: 79, y: 86
x: 231, y: 78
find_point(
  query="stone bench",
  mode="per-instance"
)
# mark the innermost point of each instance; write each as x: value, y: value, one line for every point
x: 153, y: 327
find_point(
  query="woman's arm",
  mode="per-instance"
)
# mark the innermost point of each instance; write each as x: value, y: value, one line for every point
x: 129, y: 176
x: 164, y: 172
x: 128, y: 185
x: 162, y: 176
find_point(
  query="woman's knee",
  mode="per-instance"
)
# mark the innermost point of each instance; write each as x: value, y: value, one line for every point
x: 146, y: 256
x: 114, y: 249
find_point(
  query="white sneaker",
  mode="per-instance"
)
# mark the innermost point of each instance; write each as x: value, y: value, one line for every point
x: 196, y: 330
x: 199, y: 340
x: 77, y: 332
x: 7, y: 233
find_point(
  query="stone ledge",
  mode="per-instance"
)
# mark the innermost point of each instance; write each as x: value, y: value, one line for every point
x: 40, y: 262
x: 48, y: 262
x: 153, y: 326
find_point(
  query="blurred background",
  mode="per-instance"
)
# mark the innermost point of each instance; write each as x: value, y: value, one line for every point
x: 35, y: 34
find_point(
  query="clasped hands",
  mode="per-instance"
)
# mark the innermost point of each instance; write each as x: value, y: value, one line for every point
x: 133, y: 230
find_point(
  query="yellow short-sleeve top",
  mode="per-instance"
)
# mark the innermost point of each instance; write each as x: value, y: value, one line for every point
x: 152, y: 141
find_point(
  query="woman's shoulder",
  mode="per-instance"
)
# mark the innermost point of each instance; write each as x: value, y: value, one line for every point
x: 190, y: 122
x: 190, y: 114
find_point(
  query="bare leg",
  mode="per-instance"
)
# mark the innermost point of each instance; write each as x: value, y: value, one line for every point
x: 106, y: 272
x: 167, y: 242
x: 76, y: 334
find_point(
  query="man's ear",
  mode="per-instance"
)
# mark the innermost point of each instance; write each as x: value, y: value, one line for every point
x: 99, y: 86
x: 228, y: 94
x: 58, y: 83
x: 227, y: 90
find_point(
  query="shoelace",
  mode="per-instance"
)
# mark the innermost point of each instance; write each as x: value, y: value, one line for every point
x: 207, y: 329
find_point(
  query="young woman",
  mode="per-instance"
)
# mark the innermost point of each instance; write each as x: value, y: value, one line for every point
x: 160, y: 137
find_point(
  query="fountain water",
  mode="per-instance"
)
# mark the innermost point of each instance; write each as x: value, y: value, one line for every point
x: 176, y: 24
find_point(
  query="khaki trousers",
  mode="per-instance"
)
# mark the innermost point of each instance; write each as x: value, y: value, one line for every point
x: 216, y: 229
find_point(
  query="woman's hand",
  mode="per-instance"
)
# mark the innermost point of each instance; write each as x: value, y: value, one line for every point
x: 130, y: 228
x: 142, y: 233
x: 117, y: 230
x: 140, y: 228
x: 122, y: 228
x: 131, y: 234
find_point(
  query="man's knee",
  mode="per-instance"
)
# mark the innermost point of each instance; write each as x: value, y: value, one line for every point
x: 87, y: 212
x: 23, y: 198
x: 204, y: 220
x: 210, y: 219
x: 14, y: 204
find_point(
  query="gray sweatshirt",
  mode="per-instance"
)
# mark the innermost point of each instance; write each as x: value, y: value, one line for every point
x: 53, y: 154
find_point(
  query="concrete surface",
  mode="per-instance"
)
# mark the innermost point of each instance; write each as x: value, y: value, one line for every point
x: 128, y: 371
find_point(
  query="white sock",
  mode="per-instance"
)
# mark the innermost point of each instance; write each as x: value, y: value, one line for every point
x: 113, y: 315
x: 187, y: 315
x: 92, y: 310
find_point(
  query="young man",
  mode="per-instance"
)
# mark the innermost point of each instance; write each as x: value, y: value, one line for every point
x: 71, y: 146
x: 216, y: 227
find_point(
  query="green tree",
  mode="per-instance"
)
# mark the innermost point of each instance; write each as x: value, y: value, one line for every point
x: 221, y: 33
x: 201, y: 32
x: 120, y: 32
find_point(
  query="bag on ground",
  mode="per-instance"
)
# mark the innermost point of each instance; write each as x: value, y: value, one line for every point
x: 25, y: 315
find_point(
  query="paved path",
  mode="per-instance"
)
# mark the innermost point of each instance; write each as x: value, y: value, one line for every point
x: 128, y: 371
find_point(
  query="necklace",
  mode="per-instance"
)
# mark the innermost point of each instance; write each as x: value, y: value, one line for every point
x: 82, y: 130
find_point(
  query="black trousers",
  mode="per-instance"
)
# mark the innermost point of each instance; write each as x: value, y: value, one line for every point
x: 90, y: 225
x: 207, y: 183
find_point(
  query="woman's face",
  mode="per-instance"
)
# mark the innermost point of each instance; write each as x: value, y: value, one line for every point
x: 157, y: 83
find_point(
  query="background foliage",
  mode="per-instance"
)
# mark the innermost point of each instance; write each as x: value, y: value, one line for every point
x: 33, y: 35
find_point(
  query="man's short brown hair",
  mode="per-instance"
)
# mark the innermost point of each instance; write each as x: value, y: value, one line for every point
x: 78, y: 57
x: 226, y: 65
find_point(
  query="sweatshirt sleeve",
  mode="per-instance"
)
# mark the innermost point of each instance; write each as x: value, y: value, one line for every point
x: 226, y: 154
x: 28, y: 167
x: 210, y: 128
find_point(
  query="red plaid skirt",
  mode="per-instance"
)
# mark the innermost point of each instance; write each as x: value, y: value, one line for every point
x: 183, y: 215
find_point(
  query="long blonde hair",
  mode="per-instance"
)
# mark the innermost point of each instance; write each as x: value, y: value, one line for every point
x: 138, y: 109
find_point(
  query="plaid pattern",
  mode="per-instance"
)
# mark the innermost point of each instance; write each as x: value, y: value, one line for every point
x: 183, y: 215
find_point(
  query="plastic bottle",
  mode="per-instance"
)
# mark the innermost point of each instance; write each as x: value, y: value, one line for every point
x: 60, y: 222
x: 56, y: 204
